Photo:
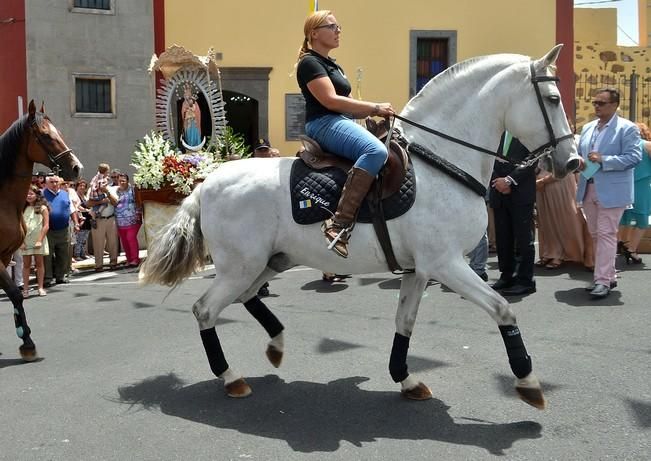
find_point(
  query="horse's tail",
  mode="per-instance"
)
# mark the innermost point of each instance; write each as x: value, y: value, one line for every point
x: 179, y: 248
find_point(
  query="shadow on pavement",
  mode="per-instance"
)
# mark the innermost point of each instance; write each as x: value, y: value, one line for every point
x: 321, y: 286
x: 578, y: 297
x: 4, y: 363
x: 314, y: 417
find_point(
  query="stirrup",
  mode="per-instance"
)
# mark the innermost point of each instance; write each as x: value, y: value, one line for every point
x: 338, y: 244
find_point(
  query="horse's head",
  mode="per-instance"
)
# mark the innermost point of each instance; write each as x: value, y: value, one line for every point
x: 46, y: 146
x: 537, y: 118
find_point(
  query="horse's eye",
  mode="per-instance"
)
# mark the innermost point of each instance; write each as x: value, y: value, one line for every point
x: 554, y: 99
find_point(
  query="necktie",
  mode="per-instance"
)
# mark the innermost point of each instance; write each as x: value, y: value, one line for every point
x: 507, y: 143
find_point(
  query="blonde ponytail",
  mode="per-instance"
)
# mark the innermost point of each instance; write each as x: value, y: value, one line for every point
x: 303, y: 50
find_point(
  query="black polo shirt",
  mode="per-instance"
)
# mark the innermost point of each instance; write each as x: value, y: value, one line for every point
x: 312, y: 66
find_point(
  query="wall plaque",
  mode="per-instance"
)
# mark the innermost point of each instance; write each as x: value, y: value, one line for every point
x: 294, y: 116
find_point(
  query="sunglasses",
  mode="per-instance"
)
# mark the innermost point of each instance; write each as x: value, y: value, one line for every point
x: 600, y: 103
x: 332, y: 27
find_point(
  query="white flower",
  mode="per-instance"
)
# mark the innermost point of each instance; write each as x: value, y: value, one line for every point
x: 181, y: 171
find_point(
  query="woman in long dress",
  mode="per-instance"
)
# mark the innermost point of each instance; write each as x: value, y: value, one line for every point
x: 562, y: 230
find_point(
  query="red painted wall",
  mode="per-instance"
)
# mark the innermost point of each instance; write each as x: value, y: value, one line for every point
x: 565, y: 63
x: 13, y: 60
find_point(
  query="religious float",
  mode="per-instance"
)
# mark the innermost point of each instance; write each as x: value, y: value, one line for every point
x: 192, y: 137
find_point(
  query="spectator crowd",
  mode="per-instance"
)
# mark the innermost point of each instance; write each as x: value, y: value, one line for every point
x: 66, y: 222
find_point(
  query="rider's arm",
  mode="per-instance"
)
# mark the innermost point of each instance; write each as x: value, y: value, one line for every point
x: 323, y: 90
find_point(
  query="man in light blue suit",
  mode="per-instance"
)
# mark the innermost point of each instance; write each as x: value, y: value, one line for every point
x: 609, y: 148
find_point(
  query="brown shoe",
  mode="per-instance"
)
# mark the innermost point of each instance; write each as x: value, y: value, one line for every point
x: 357, y: 186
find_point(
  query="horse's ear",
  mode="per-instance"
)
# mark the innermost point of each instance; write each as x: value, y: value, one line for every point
x: 549, y: 59
x: 42, y: 107
x: 31, y: 109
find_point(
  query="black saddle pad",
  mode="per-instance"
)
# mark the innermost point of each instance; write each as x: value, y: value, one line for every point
x: 315, y: 194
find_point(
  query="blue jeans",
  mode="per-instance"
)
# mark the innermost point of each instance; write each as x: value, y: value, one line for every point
x: 479, y: 256
x: 341, y: 136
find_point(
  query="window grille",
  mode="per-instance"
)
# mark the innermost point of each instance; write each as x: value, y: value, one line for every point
x: 93, y: 95
x: 431, y: 59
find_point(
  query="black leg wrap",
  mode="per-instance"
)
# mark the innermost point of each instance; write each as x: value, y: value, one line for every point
x: 264, y: 316
x: 398, y: 360
x: 20, y: 321
x: 518, y: 358
x: 216, y: 358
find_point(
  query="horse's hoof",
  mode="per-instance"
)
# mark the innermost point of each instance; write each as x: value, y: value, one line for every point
x: 530, y: 391
x: 420, y: 392
x: 28, y: 353
x: 532, y: 396
x: 238, y: 389
x: 274, y: 355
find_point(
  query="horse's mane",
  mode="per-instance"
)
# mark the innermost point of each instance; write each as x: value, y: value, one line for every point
x: 440, y: 84
x: 10, y: 144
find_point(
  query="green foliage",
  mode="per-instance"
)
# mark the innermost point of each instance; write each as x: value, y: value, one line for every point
x: 230, y: 144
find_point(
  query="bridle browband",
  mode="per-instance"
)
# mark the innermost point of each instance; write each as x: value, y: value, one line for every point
x: 535, y: 155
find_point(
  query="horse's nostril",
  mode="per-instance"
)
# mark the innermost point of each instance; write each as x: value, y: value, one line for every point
x: 572, y: 164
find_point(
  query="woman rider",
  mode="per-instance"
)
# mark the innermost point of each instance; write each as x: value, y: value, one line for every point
x: 329, y: 114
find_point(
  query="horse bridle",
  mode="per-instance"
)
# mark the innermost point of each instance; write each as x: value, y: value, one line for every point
x: 536, y: 154
x: 51, y: 157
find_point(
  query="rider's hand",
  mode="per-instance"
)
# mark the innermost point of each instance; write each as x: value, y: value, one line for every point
x: 383, y: 109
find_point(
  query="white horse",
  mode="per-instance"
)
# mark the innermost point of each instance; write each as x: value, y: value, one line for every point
x: 242, y: 213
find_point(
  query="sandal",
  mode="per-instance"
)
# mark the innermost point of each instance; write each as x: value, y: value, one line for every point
x: 554, y: 264
x: 542, y: 262
x: 329, y: 277
x: 634, y: 258
x: 42, y: 292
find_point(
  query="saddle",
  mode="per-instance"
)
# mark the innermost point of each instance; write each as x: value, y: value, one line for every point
x: 392, y: 174
x: 317, y: 178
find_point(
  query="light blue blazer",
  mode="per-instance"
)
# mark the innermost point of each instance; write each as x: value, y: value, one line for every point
x: 620, y: 151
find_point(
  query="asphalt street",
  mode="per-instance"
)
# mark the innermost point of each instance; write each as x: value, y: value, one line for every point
x: 123, y: 374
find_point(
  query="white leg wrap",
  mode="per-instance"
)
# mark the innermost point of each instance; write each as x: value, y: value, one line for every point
x: 229, y: 376
x: 278, y: 342
x: 409, y: 383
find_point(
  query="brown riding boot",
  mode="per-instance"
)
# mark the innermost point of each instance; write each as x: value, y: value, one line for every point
x: 357, y: 186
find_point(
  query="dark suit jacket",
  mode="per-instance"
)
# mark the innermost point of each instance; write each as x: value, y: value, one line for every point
x: 525, y: 191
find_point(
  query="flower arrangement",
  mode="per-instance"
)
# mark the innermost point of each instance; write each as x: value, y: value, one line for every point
x: 158, y: 164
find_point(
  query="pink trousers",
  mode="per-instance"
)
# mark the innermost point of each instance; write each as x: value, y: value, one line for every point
x: 602, y: 225
x: 129, y: 241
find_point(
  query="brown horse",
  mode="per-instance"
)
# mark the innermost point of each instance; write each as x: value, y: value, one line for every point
x: 32, y: 138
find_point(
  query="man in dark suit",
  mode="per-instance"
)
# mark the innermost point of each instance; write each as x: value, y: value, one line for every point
x: 512, y: 196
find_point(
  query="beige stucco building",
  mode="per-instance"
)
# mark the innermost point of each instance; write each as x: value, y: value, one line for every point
x: 258, y: 43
